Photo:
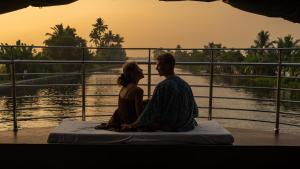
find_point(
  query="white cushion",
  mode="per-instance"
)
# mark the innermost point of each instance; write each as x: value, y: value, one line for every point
x: 83, y: 132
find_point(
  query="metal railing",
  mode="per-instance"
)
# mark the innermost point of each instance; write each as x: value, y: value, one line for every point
x: 83, y: 62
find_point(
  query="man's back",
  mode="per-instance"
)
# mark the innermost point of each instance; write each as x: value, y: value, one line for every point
x: 172, y: 105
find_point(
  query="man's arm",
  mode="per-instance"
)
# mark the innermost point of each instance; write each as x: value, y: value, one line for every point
x: 151, y: 111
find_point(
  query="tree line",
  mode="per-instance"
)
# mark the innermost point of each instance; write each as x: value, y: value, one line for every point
x: 251, y: 56
x: 100, y: 36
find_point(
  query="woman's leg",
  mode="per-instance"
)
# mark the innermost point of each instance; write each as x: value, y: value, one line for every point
x: 114, y: 122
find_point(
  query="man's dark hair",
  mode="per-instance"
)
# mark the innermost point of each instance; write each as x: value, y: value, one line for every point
x: 167, y: 58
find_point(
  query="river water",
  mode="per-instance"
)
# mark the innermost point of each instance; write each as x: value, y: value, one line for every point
x: 65, y: 103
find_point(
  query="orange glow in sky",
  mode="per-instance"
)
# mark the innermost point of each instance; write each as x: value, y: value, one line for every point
x: 147, y: 23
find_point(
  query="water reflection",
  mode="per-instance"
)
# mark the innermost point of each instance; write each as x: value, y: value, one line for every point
x: 69, y: 106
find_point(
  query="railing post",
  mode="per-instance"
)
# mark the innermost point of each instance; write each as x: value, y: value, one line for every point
x: 211, y: 84
x: 149, y: 73
x: 83, y: 86
x: 278, y: 89
x: 14, y: 97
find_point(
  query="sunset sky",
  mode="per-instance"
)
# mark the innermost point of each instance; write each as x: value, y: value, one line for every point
x: 147, y: 23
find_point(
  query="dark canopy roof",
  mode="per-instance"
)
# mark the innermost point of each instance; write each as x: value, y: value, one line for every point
x: 287, y: 9
x: 12, y: 5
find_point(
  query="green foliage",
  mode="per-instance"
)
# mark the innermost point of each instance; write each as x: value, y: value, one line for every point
x: 102, y: 38
x: 21, y: 52
x: 265, y: 82
x: 291, y: 56
x: 65, y: 37
x: 97, y: 32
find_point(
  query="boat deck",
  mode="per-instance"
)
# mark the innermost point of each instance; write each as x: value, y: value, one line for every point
x: 242, y: 137
x: 253, y: 148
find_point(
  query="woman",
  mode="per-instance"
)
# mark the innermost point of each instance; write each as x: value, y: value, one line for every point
x: 130, y: 103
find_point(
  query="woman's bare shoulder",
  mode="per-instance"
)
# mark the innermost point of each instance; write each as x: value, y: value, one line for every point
x: 136, y: 91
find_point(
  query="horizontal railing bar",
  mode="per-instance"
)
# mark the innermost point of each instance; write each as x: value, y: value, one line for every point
x: 112, y: 84
x: 293, y: 114
x: 252, y: 110
x: 290, y: 101
x: 243, y: 87
x: 288, y: 124
x: 58, y: 117
x: 289, y: 89
x: 112, y: 105
x: 25, y: 97
x: 203, y: 97
x: 52, y: 107
x: 266, y: 76
x: 101, y: 73
x: 143, y: 48
x: 91, y: 106
x: 5, y: 61
x: 225, y: 118
x: 75, y: 106
x: 19, y: 74
x: 48, y: 85
x: 67, y: 61
x: 50, y: 96
x: 6, y: 110
x: 243, y: 98
x: 224, y: 75
x: 145, y: 62
x: 290, y: 64
x: 106, y: 95
x: 229, y: 118
x: 5, y: 121
x: 114, y: 95
x: 228, y: 75
x: 245, y: 63
x: 47, y: 117
x: 202, y: 107
x: 5, y: 85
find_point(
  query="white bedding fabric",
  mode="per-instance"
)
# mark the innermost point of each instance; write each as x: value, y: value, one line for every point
x: 83, y: 132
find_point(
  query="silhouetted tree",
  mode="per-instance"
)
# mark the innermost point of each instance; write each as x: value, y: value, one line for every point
x: 64, y: 37
x: 97, y: 32
x: 103, y: 39
x: 21, y: 52
x: 261, y: 55
x: 292, y: 56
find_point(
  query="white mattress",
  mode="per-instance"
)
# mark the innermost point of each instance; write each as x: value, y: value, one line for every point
x: 83, y: 132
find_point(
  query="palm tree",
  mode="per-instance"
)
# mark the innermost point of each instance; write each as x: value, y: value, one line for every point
x: 97, y: 32
x: 262, y: 41
x: 289, y: 55
x: 108, y: 39
x: 118, y: 40
x: 62, y: 36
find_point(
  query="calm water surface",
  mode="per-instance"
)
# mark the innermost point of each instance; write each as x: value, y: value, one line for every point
x: 63, y: 105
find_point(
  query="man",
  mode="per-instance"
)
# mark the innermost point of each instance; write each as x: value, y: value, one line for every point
x: 172, y: 107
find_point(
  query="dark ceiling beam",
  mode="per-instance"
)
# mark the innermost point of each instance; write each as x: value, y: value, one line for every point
x: 13, y: 5
x: 286, y: 9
